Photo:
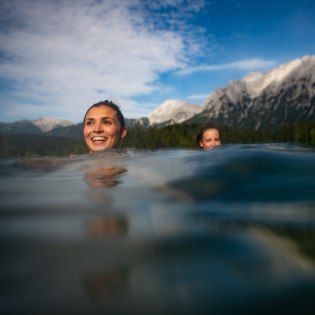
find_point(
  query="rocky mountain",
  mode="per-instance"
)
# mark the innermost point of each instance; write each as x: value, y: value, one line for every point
x: 259, y: 101
x: 19, y: 127
x: 173, y: 111
x: 57, y: 128
x: 72, y: 131
x: 49, y: 123
x: 37, y: 126
x: 262, y: 101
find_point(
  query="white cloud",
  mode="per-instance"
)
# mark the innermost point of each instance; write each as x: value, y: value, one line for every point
x: 248, y: 64
x: 65, y: 55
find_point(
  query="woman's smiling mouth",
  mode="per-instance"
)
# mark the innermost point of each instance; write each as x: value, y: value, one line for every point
x: 98, y: 138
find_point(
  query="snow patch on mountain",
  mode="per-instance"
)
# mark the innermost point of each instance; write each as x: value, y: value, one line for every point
x: 285, y: 94
x: 49, y: 123
x: 256, y: 82
x: 176, y: 111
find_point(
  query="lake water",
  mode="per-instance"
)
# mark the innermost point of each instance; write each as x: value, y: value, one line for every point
x: 227, y: 231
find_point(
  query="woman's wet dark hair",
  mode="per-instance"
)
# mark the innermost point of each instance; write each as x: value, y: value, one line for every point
x: 112, y: 106
x: 202, y: 130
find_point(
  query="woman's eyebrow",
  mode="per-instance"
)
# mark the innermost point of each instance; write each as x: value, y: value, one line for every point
x: 103, y: 117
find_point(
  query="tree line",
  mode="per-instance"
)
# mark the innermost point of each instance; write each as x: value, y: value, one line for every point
x: 184, y: 136
x: 174, y: 136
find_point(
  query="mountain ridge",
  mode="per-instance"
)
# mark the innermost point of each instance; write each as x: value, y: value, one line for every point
x: 49, y: 123
x: 174, y: 111
x: 285, y: 94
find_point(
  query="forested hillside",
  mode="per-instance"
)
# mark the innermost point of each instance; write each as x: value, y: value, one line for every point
x: 184, y: 136
x: 39, y: 145
x: 174, y: 136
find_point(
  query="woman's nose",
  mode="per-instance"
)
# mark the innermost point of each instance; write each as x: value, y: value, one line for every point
x: 98, y: 127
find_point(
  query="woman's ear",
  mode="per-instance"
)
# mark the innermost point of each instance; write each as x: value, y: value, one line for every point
x: 123, y: 133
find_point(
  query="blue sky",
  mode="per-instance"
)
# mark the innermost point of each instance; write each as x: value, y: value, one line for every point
x: 59, y: 57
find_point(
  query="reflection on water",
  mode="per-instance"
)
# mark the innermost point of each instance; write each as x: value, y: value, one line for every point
x: 107, y: 226
x: 103, y: 177
x: 161, y: 232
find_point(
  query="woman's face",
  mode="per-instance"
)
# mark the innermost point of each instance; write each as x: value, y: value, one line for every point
x: 210, y: 139
x: 102, y: 129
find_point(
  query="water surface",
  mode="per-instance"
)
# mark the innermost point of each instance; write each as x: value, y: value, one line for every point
x: 160, y: 232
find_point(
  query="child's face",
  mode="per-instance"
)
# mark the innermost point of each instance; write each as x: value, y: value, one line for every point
x: 210, y: 139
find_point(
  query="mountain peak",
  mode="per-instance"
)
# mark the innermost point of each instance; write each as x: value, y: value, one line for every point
x: 173, y: 110
x: 263, y: 101
x: 48, y: 123
x: 256, y: 82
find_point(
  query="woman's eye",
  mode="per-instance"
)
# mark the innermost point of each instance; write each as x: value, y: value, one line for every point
x: 89, y: 123
x: 107, y: 122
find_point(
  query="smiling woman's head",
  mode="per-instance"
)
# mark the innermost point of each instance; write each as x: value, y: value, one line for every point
x: 208, y: 137
x: 104, y: 126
